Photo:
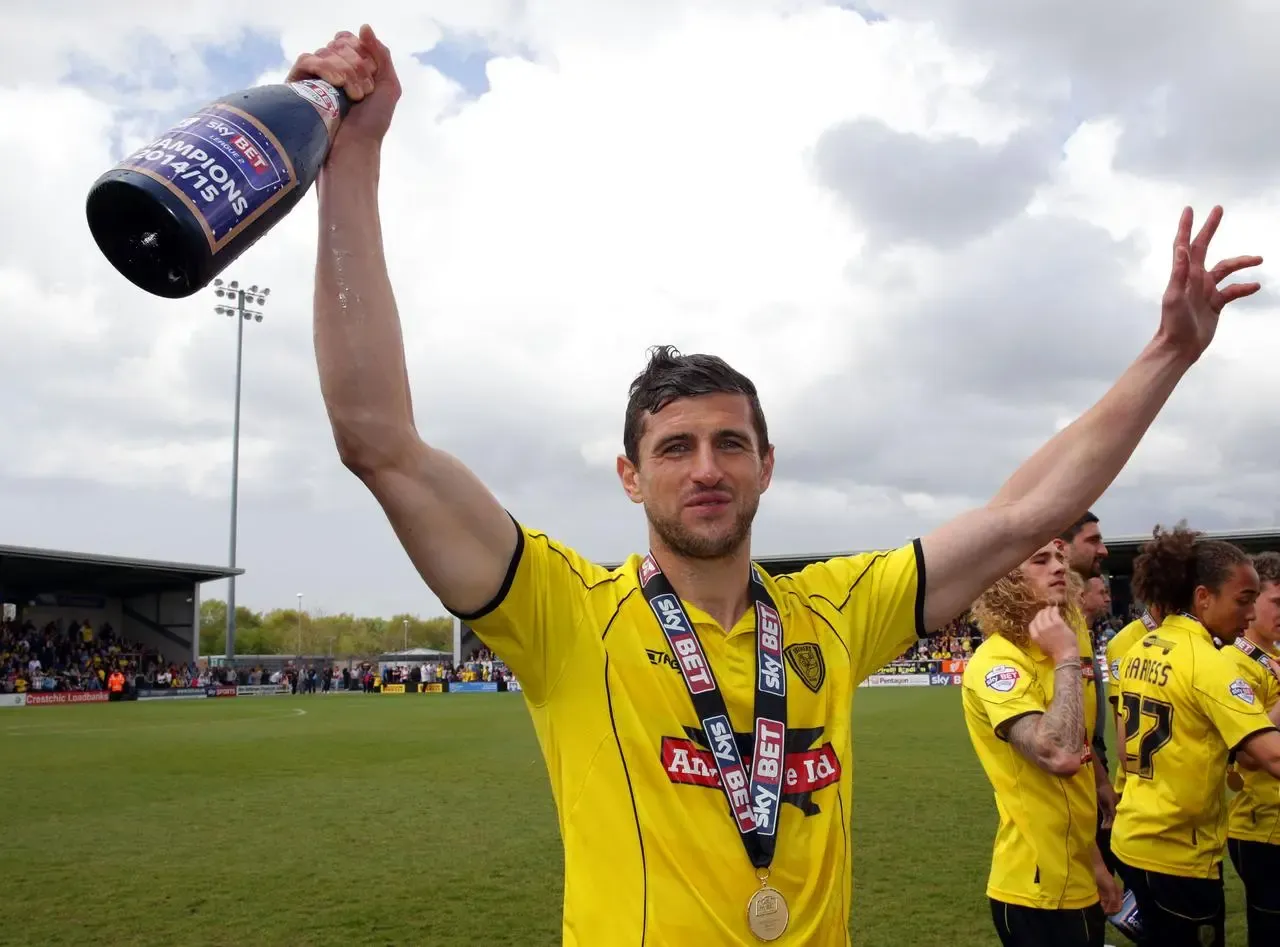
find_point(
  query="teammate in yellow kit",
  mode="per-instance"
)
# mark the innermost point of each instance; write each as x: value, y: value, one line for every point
x: 1253, y: 832
x: 1185, y: 707
x: 1119, y: 644
x: 1029, y: 707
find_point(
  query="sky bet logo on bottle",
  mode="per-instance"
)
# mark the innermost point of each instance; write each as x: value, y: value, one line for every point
x: 684, y: 643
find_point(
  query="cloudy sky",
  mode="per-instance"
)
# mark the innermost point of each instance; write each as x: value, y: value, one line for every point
x: 933, y: 232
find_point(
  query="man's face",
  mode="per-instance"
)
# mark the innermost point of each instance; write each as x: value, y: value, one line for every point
x: 700, y: 474
x: 1046, y: 572
x: 1086, y: 551
x: 1096, y: 601
x: 1266, y: 618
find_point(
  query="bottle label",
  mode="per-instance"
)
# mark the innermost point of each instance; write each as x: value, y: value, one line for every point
x: 322, y: 95
x: 224, y: 165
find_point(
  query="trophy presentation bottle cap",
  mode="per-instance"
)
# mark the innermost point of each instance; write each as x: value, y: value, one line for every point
x: 174, y: 214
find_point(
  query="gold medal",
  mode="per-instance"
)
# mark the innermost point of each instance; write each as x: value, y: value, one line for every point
x: 767, y: 913
x: 1235, y: 782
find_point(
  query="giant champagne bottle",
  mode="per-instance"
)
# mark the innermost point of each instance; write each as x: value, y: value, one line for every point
x: 174, y: 214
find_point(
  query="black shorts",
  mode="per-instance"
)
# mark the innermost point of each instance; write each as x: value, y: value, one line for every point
x: 1177, y: 911
x: 1258, y: 865
x: 1037, y: 927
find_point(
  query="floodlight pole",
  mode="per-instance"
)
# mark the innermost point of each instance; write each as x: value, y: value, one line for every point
x: 241, y: 297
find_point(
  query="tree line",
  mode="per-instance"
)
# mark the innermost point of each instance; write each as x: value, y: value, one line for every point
x: 288, y: 631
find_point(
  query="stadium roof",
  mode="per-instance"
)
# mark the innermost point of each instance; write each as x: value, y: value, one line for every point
x: 1121, y: 551
x: 26, y: 571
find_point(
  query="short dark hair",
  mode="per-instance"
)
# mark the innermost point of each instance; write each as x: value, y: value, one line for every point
x: 1071, y: 532
x: 669, y: 375
x: 1173, y: 563
x: 1268, y: 566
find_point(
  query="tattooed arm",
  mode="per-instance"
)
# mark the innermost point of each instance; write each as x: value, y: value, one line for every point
x: 1054, y: 740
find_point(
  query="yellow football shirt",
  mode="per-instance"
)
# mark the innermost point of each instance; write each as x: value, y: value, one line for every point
x: 1254, y: 812
x: 636, y: 788
x: 1117, y: 647
x: 1185, y: 705
x: 1043, y: 851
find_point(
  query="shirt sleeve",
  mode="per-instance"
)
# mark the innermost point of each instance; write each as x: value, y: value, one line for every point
x: 1005, y: 685
x: 1228, y: 699
x: 1114, y: 655
x: 536, y: 617
x: 874, y: 601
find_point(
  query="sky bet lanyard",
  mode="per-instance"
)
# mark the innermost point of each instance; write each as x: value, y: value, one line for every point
x: 754, y: 800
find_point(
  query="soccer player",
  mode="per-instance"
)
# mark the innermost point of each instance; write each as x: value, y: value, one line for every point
x: 1029, y: 708
x: 1131, y: 920
x: 1185, y: 708
x: 693, y: 712
x: 1253, y: 832
x: 1085, y: 552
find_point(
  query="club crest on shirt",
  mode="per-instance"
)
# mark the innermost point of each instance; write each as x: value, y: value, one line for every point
x: 1240, y: 688
x: 806, y: 660
x: 1002, y: 678
x: 1115, y: 670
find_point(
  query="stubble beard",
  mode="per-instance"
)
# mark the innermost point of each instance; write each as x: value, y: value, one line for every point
x: 688, y: 544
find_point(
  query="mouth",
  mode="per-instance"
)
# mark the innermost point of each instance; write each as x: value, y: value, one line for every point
x: 708, y: 502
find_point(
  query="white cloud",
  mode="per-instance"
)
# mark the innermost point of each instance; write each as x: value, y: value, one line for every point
x: 636, y: 174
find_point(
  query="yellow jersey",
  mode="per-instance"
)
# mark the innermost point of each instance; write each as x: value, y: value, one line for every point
x: 1120, y: 643
x: 637, y: 789
x: 1254, y: 812
x: 1043, y: 852
x: 1185, y: 705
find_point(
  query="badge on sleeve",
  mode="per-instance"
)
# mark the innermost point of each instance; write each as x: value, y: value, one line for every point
x: 1002, y: 678
x: 1240, y: 688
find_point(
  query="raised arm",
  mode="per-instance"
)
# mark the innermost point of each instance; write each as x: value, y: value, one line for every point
x: 1075, y: 467
x: 458, y: 536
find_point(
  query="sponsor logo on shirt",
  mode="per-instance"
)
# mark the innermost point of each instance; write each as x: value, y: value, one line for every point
x: 805, y: 769
x: 1002, y: 678
x: 1240, y: 688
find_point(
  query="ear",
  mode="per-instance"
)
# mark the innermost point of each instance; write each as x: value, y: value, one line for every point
x: 1201, y: 598
x: 630, y: 477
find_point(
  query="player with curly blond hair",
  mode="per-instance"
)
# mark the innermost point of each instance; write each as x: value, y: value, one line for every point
x: 1030, y: 708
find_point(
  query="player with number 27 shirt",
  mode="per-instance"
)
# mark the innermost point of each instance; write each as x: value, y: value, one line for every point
x: 1184, y: 709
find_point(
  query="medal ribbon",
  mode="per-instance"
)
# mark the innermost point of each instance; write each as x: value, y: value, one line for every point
x: 1253, y: 651
x: 755, y: 801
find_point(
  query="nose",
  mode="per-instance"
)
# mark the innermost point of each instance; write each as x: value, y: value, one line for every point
x: 706, y: 470
x: 1102, y: 550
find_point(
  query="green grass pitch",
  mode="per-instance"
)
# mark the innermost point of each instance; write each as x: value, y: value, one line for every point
x: 422, y: 819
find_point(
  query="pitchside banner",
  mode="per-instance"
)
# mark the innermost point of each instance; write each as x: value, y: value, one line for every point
x: 172, y: 693
x: 896, y: 680
x: 473, y: 687
x: 43, y: 698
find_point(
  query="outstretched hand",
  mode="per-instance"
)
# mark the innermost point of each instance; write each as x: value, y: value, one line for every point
x: 1193, y: 300
x: 361, y: 66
